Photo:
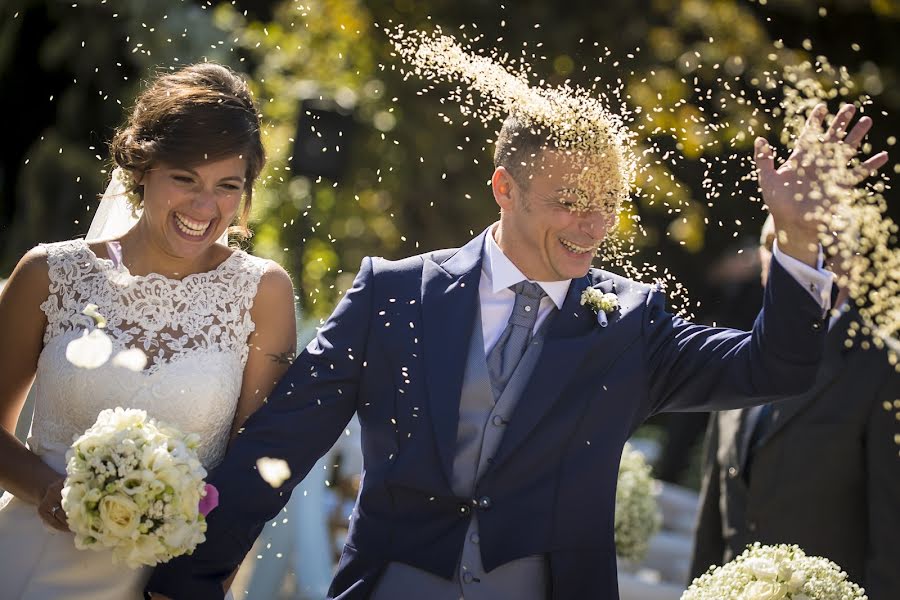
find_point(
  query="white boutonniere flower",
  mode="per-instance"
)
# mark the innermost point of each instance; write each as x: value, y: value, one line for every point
x: 601, y: 303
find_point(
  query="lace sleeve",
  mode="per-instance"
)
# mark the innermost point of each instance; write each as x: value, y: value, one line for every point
x: 70, y: 267
x: 246, y: 274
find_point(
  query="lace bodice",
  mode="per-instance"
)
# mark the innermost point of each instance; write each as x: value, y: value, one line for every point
x: 194, y: 332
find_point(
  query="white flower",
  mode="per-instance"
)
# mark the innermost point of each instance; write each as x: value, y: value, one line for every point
x: 119, y: 514
x: 133, y: 359
x: 274, y: 471
x: 133, y: 485
x: 774, y: 573
x: 637, y: 516
x: 762, y: 568
x: 602, y: 303
x: 796, y: 581
x: 91, y: 311
x: 765, y: 590
x: 90, y: 350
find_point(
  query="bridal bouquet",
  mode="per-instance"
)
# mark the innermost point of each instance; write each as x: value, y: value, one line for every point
x: 774, y: 573
x: 637, y: 513
x: 135, y: 486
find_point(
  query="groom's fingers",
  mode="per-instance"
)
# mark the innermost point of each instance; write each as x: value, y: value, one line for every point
x: 815, y: 121
x: 871, y: 166
x: 859, y: 131
x: 838, y: 127
x: 764, y: 158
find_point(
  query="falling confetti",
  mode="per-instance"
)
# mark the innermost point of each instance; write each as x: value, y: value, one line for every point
x: 89, y: 351
x: 274, y: 471
x: 855, y: 229
x: 132, y: 359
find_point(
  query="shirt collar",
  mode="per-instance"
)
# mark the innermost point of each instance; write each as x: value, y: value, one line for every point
x: 502, y: 273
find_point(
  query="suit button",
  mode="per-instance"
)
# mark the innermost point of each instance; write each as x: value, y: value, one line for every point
x: 817, y: 326
x: 498, y: 420
x: 484, y: 502
x: 465, y: 510
x: 732, y: 472
x: 468, y: 577
x: 474, y: 538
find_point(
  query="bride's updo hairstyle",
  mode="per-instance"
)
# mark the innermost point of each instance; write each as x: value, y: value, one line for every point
x: 202, y: 112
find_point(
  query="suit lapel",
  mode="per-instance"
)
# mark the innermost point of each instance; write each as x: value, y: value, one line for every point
x: 832, y: 365
x: 572, y: 333
x: 449, y: 305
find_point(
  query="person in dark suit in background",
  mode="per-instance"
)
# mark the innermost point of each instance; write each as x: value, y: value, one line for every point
x: 820, y: 469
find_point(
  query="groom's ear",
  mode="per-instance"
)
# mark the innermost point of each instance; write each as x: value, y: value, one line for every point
x: 503, y: 186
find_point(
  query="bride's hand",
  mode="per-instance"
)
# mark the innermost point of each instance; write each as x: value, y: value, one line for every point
x: 50, y: 509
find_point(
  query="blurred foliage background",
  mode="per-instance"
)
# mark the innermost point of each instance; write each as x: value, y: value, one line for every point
x: 361, y: 164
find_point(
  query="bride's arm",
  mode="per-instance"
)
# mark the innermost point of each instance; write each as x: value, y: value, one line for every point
x: 272, y: 343
x: 22, y: 322
x: 272, y: 348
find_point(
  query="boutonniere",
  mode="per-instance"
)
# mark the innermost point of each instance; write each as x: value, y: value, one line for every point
x: 601, y: 303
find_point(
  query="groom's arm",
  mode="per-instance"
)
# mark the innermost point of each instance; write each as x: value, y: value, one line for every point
x: 695, y: 367
x: 299, y: 423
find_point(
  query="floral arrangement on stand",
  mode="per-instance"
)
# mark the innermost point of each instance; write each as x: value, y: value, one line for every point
x: 637, y: 512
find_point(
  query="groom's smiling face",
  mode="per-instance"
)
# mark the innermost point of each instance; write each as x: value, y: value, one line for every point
x: 550, y: 225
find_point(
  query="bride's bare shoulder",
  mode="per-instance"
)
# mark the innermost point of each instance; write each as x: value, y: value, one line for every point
x: 28, y: 285
x: 32, y: 268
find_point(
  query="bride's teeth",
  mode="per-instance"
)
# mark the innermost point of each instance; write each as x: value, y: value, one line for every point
x: 189, y: 226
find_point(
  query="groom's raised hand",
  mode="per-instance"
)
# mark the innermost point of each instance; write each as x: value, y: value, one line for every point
x: 802, y: 187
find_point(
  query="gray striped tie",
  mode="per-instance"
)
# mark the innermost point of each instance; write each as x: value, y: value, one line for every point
x: 509, y: 349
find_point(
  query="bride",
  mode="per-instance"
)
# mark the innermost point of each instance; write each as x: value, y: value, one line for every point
x: 216, y: 324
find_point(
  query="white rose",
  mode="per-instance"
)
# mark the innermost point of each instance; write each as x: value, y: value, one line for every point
x: 797, y: 580
x: 765, y: 590
x: 762, y: 568
x: 120, y: 515
x: 177, y: 535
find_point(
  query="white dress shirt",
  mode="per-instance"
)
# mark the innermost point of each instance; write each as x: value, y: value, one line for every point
x: 498, y: 274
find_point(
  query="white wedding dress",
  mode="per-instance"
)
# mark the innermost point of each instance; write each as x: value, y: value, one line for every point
x: 194, y: 332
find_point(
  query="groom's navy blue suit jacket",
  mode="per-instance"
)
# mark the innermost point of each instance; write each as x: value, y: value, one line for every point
x: 394, y: 351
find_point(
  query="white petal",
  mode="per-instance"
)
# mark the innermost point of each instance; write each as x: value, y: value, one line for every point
x: 90, y: 350
x: 91, y: 311
x: 133, y: 359
x: 274, y: 471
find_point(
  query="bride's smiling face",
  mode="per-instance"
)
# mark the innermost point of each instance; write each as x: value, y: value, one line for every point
x: 187, y: 209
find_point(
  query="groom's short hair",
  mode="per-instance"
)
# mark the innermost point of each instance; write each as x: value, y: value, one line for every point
x: 518, y: 145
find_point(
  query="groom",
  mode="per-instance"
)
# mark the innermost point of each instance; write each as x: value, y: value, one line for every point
x: 494, y: 405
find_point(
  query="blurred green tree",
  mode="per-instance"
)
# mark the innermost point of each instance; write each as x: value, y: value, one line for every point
x: 363, y: 163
